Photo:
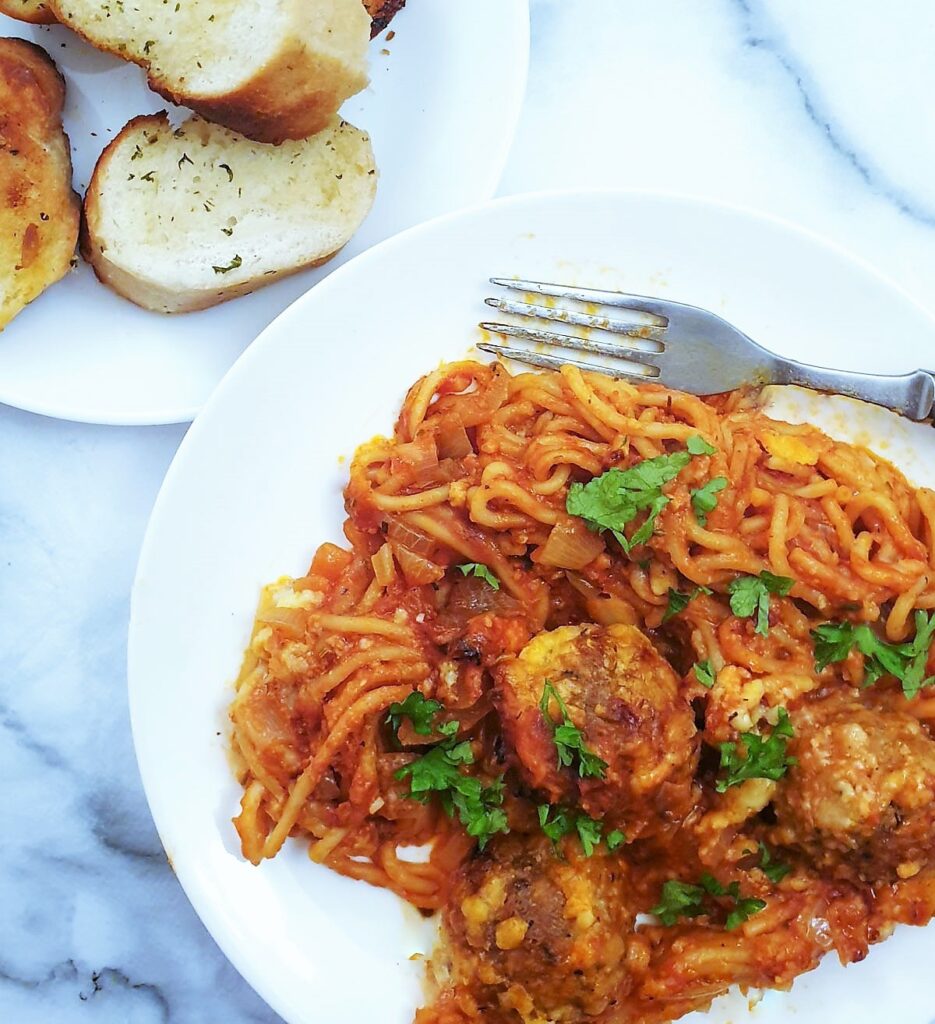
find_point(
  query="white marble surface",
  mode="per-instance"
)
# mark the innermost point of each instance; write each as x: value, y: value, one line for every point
x: 817, y: 112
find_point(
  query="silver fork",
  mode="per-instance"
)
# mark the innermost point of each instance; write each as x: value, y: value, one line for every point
x: 683, y: 347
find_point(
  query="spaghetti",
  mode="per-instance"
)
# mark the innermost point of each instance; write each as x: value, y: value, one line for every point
x: 584, y: 641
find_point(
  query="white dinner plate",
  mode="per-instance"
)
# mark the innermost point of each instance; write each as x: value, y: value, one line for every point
x: 441, y: 108
x: 256, y: 486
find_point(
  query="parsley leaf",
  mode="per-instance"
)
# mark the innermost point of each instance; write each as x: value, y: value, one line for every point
x: 763, y: 757
x: 744, y: 908
x: 479, y: 809
x: 679, y: 899
x: 835, y: 640
x: 438, y: 771
x: 775, y: 870
x: 697, y: 445
x: 481, y: 572
x: 749, y: 594
x: 704, y: 673
x: 684, y: 899
x: 614, y: 839
x: 558, y: 822
x: 589, y: 833
x: 615, y: 498
x: 555, y: 825
x: 569, y: 740
x: 704, y: 499
x: 678, y: 601
x: 418, y: 709
x: 233, y: 265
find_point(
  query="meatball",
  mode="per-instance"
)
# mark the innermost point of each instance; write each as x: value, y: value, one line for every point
x: 862, y: 790
x: 539, y: 931
x: 624, y: 698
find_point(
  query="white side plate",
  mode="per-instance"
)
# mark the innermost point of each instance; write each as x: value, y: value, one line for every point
x: 441, y: 109
x: 256, y: 486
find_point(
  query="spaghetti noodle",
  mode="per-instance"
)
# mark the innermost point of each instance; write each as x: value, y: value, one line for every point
x: 609, y: 644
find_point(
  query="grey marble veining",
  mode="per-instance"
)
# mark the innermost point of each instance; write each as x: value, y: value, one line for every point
x: 816, y: 112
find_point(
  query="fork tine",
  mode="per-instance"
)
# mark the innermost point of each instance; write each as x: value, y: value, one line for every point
x: 604, y: 348
x: 622, y: 300
x: 632, y: 329
x: 522, y: 355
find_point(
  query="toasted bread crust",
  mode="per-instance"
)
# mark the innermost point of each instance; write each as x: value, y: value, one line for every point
x: 36, y: 12
x: 276, y: 104
x: 39, y: 211
x: 150, y: 293
x: 291, y: 97
x: 33, y: 11
x: 382, y: 13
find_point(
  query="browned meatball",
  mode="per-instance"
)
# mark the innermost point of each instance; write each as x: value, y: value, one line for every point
x: 862, y: 790
x: 536, y: 931
x: 624, y: 697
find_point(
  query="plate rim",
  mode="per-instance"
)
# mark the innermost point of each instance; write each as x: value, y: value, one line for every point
x: 207, y: 911
x: 517, y: 12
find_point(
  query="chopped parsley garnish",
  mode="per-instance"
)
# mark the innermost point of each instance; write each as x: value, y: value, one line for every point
x: 762, y: 758
x: 481, y: 572
x: 615, y: 498
x: 744, y: 908
x: 569, y: 740
x: 233, y: 265
x: 479, y: 808
x: 558, y: 822
x: 834, y: 641
x: 750, y: 594
x: 679, y: 600
x: 418, y: 709
x: 589, y: 833
x: 679, y: 899
x: 684, y: 899
x: 555, y: 822
x: 439, y: 771
x: 704, y: 673
x: 614, y: 839
x: 906, y: 662
x: 704, y: 499
x: 775, y: 870
x: 697, y: 445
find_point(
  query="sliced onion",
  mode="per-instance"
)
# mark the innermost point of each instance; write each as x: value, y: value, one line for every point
x: 384, y: 568
x: 608, y: 610
x: 478, y: 406
x: 570, y: 545
x: 442, y: 473
x: 290, y: 620
x: 416, y: 456
x: 604, y: 609
x: 403, y: 536
x: 417, y: 569
x: 452, y: 439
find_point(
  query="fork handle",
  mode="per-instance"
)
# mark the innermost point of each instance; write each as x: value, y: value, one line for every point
x: 910, y: 394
